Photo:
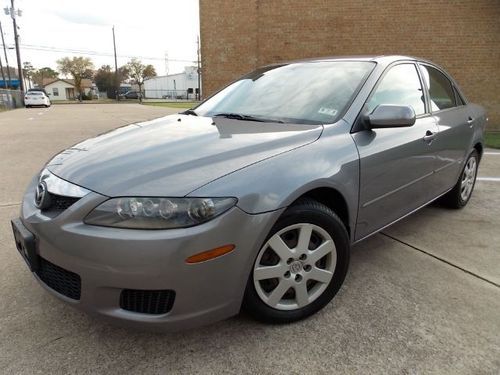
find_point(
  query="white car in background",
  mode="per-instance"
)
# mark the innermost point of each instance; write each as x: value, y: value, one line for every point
x: 33, y: 98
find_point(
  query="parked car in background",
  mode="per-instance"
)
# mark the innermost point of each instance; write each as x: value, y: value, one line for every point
x: 36, y: 98
x: 133, y: 94
x: 253, y: 198
x: 38, y: 89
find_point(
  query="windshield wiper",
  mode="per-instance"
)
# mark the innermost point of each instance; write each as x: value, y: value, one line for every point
x: 189, y: 112
x: 237, y: 116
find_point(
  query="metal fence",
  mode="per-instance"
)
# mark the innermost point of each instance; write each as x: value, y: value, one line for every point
x: 10, y: 99
x: 189, y: 94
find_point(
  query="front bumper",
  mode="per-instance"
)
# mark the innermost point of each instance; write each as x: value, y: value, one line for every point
x: 109, y: 260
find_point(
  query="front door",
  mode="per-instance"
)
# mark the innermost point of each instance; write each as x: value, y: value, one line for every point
x: 396, y: 164
x: 70, y: 93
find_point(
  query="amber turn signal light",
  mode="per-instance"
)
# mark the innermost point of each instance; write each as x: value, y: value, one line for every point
x: 210, y: 254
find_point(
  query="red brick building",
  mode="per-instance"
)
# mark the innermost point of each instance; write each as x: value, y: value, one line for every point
x: 463, y: 36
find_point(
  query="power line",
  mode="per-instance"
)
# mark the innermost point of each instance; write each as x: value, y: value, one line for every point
x: 95, y: 53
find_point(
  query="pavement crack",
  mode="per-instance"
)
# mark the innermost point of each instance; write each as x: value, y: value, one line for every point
x: 51, y: 341
x: 441, y: 260
x: 9, y: 204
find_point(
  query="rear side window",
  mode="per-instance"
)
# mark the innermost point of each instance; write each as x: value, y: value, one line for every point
x: 400, y: 86
x: 441, y: 93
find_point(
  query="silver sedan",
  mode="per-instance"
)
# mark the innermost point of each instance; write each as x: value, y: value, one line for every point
x: 253, y: 198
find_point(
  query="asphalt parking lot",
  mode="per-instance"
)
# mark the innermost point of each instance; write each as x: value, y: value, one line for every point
x: 423, y: 296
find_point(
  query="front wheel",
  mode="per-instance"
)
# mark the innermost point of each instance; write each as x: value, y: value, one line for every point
x: 300, y: 267
x: 462, y: 191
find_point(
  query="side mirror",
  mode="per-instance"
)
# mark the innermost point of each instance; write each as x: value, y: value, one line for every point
x: 391, y: 116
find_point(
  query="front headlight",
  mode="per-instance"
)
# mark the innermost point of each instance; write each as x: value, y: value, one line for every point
x: 157, y: 213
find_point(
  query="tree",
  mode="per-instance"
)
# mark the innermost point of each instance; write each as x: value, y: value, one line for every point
x: 79, y: 68
x: 106, y: 80
x: 40, y: 74
x: 28, y: 71
x: 103, y: 78
x: 139, y: 72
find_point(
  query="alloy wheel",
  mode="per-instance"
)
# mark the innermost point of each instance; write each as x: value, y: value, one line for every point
x: 468, y: 178
x: 295, y: 266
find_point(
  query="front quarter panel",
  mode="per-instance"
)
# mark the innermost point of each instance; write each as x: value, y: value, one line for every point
x: 331, y: 161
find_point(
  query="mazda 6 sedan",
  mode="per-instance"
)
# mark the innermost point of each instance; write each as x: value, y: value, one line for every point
x: 252, y: 199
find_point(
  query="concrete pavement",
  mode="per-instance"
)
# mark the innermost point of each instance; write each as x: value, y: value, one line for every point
x: 422, y: 297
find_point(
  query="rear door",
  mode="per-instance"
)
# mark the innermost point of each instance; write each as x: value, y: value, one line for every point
x: 396, y: 164
x: 456, y: 126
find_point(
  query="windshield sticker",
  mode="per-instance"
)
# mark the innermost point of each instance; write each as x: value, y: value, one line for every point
x: 328, y: 111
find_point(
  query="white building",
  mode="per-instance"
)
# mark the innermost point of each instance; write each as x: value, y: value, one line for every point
x: 64, y: 89
x: 174, y: 86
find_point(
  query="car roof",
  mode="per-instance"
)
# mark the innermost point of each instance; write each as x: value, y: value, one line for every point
x: 382, y: 59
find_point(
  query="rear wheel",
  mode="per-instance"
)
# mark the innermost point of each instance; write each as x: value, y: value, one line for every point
x: 301, y: 266
x: 462, y: 191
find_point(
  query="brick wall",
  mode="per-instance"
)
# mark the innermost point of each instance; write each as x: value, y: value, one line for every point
x: 463, y: 36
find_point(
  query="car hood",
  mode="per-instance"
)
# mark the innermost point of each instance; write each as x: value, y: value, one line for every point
x: 174, y: 155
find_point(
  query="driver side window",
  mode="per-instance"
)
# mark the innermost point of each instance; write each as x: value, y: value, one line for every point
x: 400, y: 86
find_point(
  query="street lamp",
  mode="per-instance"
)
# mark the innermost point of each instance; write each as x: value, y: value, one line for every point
x: 14, y: 13
x: 9, y: 11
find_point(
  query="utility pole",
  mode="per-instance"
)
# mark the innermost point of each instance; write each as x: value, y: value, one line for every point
x: 3, y: 74
x: 5, y: 54
x: 14, y: 14
x: 117, y: 82
x: 199, y: 70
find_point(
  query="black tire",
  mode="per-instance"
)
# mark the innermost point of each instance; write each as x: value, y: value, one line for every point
x: 454, y: 199
x: 304, y: 211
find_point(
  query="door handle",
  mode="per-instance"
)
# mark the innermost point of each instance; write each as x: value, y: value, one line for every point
x: 470, y: 121
x: 429, y: 136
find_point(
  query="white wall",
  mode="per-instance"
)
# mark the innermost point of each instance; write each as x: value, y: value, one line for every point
x: 61, y: 86
x: 172, y: 85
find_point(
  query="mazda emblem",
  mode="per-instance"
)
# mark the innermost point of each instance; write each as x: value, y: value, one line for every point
x: 42, y: 197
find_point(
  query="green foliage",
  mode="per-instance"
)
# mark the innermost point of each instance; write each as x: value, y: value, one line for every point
x: 78, y: 67
x: 182, y: 105
x: 138, y: 71
x: 105, y: 79
x: 28, y: 69
x: 39, y: 75
x: 492, y: 139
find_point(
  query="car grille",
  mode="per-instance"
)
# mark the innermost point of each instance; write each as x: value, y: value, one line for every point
x: 60, y: 202
x: 147, y: 301
x: 62, y: 281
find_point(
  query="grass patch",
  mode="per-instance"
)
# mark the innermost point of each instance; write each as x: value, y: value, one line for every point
x: 180, y: 105
x: 492, y: 139
x: 185, y: 105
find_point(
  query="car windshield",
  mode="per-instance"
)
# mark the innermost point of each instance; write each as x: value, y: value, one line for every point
x: 305, y: 92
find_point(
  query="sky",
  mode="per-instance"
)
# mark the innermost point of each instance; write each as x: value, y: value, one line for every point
x: 147, y: 29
